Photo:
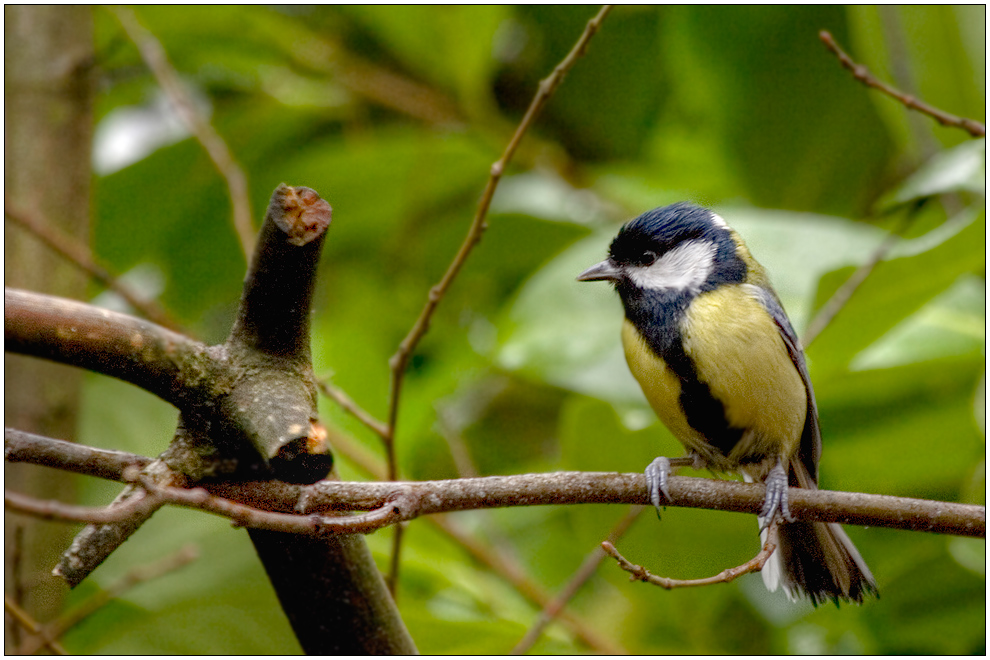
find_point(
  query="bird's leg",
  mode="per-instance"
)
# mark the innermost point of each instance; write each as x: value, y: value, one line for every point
x: 658, y: 471
x: 776, y: 497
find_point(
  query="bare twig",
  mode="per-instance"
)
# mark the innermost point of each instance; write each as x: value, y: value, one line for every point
x: 60, y: 511
x: 341, y: 398
x: 157, y: 60
x: 459, y: 452
x: 199, y: 498
x: 57, y: 628
x: 387, y: 88
x: 256, y: 503
x: 15, y: 575
x: 755, y: 564
x: 400, y: 360
x: 79, y: 255
x: 588, y: 567
x: 27, y: 622
x: 508, y: 569
x: 71, y: 456
x: 845, y: 292
x: 862, y: 74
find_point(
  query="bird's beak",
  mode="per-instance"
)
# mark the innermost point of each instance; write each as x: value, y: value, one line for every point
x: 605, y: 270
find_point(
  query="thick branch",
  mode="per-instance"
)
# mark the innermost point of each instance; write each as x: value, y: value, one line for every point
x: 247, y: 407
x: 274, y: 401
x: 165, y: 363
x: 278, y: 289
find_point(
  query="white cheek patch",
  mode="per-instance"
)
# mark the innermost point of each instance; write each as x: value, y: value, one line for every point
x: 686, y: 267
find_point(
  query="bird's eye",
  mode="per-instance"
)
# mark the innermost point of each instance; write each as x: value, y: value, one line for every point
x: 647, y: 258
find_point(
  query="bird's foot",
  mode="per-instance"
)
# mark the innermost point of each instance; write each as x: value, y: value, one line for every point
x: 656, y: 480
x: 776, y: 497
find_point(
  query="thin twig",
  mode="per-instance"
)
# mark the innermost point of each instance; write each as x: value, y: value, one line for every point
x: 400, y: 360
x: 62, y: 512
x: 510, y: 570
x: 70, y: 456
x: 459, y: 452
x: 157, y: 61
x: 845, y: 292
x: 239, y: 514
x: 754, y: 565
x: 862, y: 74
x: 57, y: 628
x: 588, y: 567
x: 15, y: 574
x: 341, y: 398
x: 26, y: 621
x: 80, y: 256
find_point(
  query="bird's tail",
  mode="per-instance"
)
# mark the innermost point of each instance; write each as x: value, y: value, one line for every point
x: 818, y: 560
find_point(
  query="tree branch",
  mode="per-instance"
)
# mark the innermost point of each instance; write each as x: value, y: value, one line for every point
x: 391, y: 502
x: 400, y: 360
x: 247, y: 408
x: 584, y: 572
x: 79, y: 255
x: 728, y: 575
x: 341, y: 398
x: 53, y: 630
x: 70, y: 456
x: 862, y: 74
x: 27, y: 622
x: 845, y: 292
x: 155, y: 57
x: 170, y: 365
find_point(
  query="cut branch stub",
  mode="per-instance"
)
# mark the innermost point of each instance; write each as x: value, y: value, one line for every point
x: 274, y: 313
x: 247, y: 407
x: 273, y: 401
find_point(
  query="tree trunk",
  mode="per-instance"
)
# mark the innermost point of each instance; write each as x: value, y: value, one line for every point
x: 48, y: 131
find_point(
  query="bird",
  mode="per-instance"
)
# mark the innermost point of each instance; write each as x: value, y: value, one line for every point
x: 708, y: 340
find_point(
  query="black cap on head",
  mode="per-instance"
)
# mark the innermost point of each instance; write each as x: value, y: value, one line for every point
x: 661, y: 230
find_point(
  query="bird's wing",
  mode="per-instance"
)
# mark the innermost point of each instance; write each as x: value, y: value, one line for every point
x: 811, y: 439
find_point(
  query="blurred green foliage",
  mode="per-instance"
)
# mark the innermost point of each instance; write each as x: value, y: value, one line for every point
x: 395, y: 114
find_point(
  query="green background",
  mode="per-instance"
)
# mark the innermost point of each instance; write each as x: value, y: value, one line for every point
x: 395, y: 114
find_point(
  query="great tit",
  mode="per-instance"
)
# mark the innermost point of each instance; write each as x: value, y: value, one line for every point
x: 709, y: 342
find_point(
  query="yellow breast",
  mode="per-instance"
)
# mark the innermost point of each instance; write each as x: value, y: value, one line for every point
x: 737, y: 350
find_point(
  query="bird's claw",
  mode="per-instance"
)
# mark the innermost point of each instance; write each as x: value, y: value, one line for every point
x: 775, y: 502
x: 656, y: 481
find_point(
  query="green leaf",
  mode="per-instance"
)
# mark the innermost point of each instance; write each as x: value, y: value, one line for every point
x: 898, y: 287
x: 452, y: 47
x: 962, y: 168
